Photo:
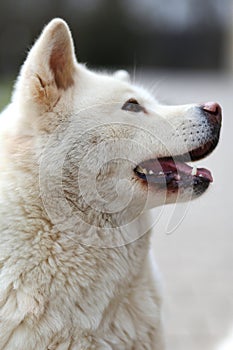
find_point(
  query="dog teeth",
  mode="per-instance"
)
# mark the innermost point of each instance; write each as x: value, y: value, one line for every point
x: 144, y: 171
x: 141, y: 170
x: 194, y: 171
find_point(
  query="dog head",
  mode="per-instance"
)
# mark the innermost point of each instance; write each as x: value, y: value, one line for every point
x: 108, y: 145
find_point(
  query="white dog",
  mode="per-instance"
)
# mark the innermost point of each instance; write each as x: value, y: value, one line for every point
x: 84, y: 155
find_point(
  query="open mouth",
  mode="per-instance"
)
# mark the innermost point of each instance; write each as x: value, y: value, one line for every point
x: 175, y: 173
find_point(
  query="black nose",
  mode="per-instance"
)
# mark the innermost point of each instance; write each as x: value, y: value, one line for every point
x: 213, y: 111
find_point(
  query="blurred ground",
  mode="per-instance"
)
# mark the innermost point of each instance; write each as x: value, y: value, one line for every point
x: 196, y: 260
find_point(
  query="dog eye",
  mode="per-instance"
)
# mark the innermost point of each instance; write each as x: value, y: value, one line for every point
x: 132, y: 105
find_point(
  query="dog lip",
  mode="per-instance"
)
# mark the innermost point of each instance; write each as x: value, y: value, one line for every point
x: 204, y: 150
x: 198, y: 153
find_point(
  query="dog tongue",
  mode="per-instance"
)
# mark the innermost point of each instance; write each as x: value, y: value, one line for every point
x: 205, y: 173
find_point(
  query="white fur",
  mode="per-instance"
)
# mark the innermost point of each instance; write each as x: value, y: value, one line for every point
x: 75, y: 270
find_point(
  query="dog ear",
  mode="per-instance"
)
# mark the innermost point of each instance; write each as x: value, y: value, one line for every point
x: 50, y: 66
x: 122, y: 75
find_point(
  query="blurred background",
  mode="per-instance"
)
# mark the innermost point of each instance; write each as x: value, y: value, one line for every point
x: 153, y: 34
x: 183, y: 49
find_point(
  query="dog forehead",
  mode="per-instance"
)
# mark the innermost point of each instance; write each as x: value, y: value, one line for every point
x: 108, y: 86
x: 128, y: 89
